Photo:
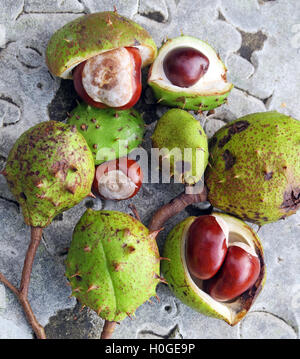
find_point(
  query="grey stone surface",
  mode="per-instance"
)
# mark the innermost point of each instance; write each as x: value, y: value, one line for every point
x: 259, y: 42
x: 53, y: 6
x: 10, y: 10
x: 2, y: 297
x: 126, y: 7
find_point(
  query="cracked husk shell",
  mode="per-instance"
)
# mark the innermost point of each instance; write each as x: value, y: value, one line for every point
x: 49, y: 169
x: 113, y: 263
x: 255, y: 167
x: 92, y: 34
x: 189, y: 289
x: 208, y: 96
x: 183, y: 145
x: 109, y: 133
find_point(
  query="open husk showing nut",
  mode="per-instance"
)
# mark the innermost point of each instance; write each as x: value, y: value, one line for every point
x: 189, y: 289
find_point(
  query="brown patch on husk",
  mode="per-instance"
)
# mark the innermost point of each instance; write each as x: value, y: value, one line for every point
x: 233, y: 128
x: 224, y: 140
x: 291, y: 199
x: 229, y: 159
x: 238, y: 127
x: 268, y: 175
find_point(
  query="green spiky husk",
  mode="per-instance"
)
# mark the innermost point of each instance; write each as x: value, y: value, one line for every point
x: 181, y: 97
x: 109, y: 133
x: 175, y: 271
x: 49, y: 169
x: 179, y: 129
x: 93, y: 34
x: 255, y: 167
x: 187, y: 101
x: 113, y: 263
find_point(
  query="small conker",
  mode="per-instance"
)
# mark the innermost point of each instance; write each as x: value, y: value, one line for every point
x: 206, y: 246
x: 238, y: 273
x: 184, y: 66
x: 110, y: 79
x: 118, y: 179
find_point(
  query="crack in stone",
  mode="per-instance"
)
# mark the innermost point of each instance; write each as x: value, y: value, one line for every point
x: 45, y: 244
x: 11, y: 201
x: 14, y: 104
x: 53, y: 12
x: 150, y: 332
x: 174, y: 333
x: 221, y: 16
x: 26, y: 64
x: 154, y: 15
x: 292, y: 326
x: 30, y: 67
x: 250, y: 43
x: 21, y: 12
x: 2, y: 162
x: 85, y: 8
x: 262, y: 2
x: 250, y: 94
x: 7, y: 44
x: 268, y: 100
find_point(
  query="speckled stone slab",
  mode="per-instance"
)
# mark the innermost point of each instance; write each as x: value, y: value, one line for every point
x: 259, y: 41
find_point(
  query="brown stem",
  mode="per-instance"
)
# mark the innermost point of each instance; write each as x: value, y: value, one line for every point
x: 8, y: 284
x: 134, y: 211
x: 108, y: 329
x: 176, y: 205
x: 22, y: 293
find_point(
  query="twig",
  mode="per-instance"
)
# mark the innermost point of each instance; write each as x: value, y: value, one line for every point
x: 134, y: 211
x: 8, y: 284
x: 108, y: 329
x: 22, y: 292
x: 177, y: 204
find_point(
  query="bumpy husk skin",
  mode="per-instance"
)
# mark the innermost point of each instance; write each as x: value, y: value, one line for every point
x: 119, y: 132
x: 179, y: 129
x: 92, y: 34
x: 175, y: 274
x: 183, y: 99
x: 49, y: 169
x: 186, y: 101
x: 113, y: 263
x: 255, y: 167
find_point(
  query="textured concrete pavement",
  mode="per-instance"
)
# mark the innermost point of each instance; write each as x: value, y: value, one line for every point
x: 260, y: 44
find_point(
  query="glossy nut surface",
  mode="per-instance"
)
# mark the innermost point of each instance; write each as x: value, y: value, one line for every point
x: 184, y: 66
x: 206, y: 246
x: 238, y: 273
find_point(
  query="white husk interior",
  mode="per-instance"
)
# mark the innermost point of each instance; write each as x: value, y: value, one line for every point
x: 209, y: 84
x: 237, y: 233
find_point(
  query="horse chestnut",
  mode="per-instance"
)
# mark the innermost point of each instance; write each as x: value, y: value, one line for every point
x: 184, y: 66
x: 110, y: 79
x: 238, y: 273
x: 118, y: 179
x: 206, y: 246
